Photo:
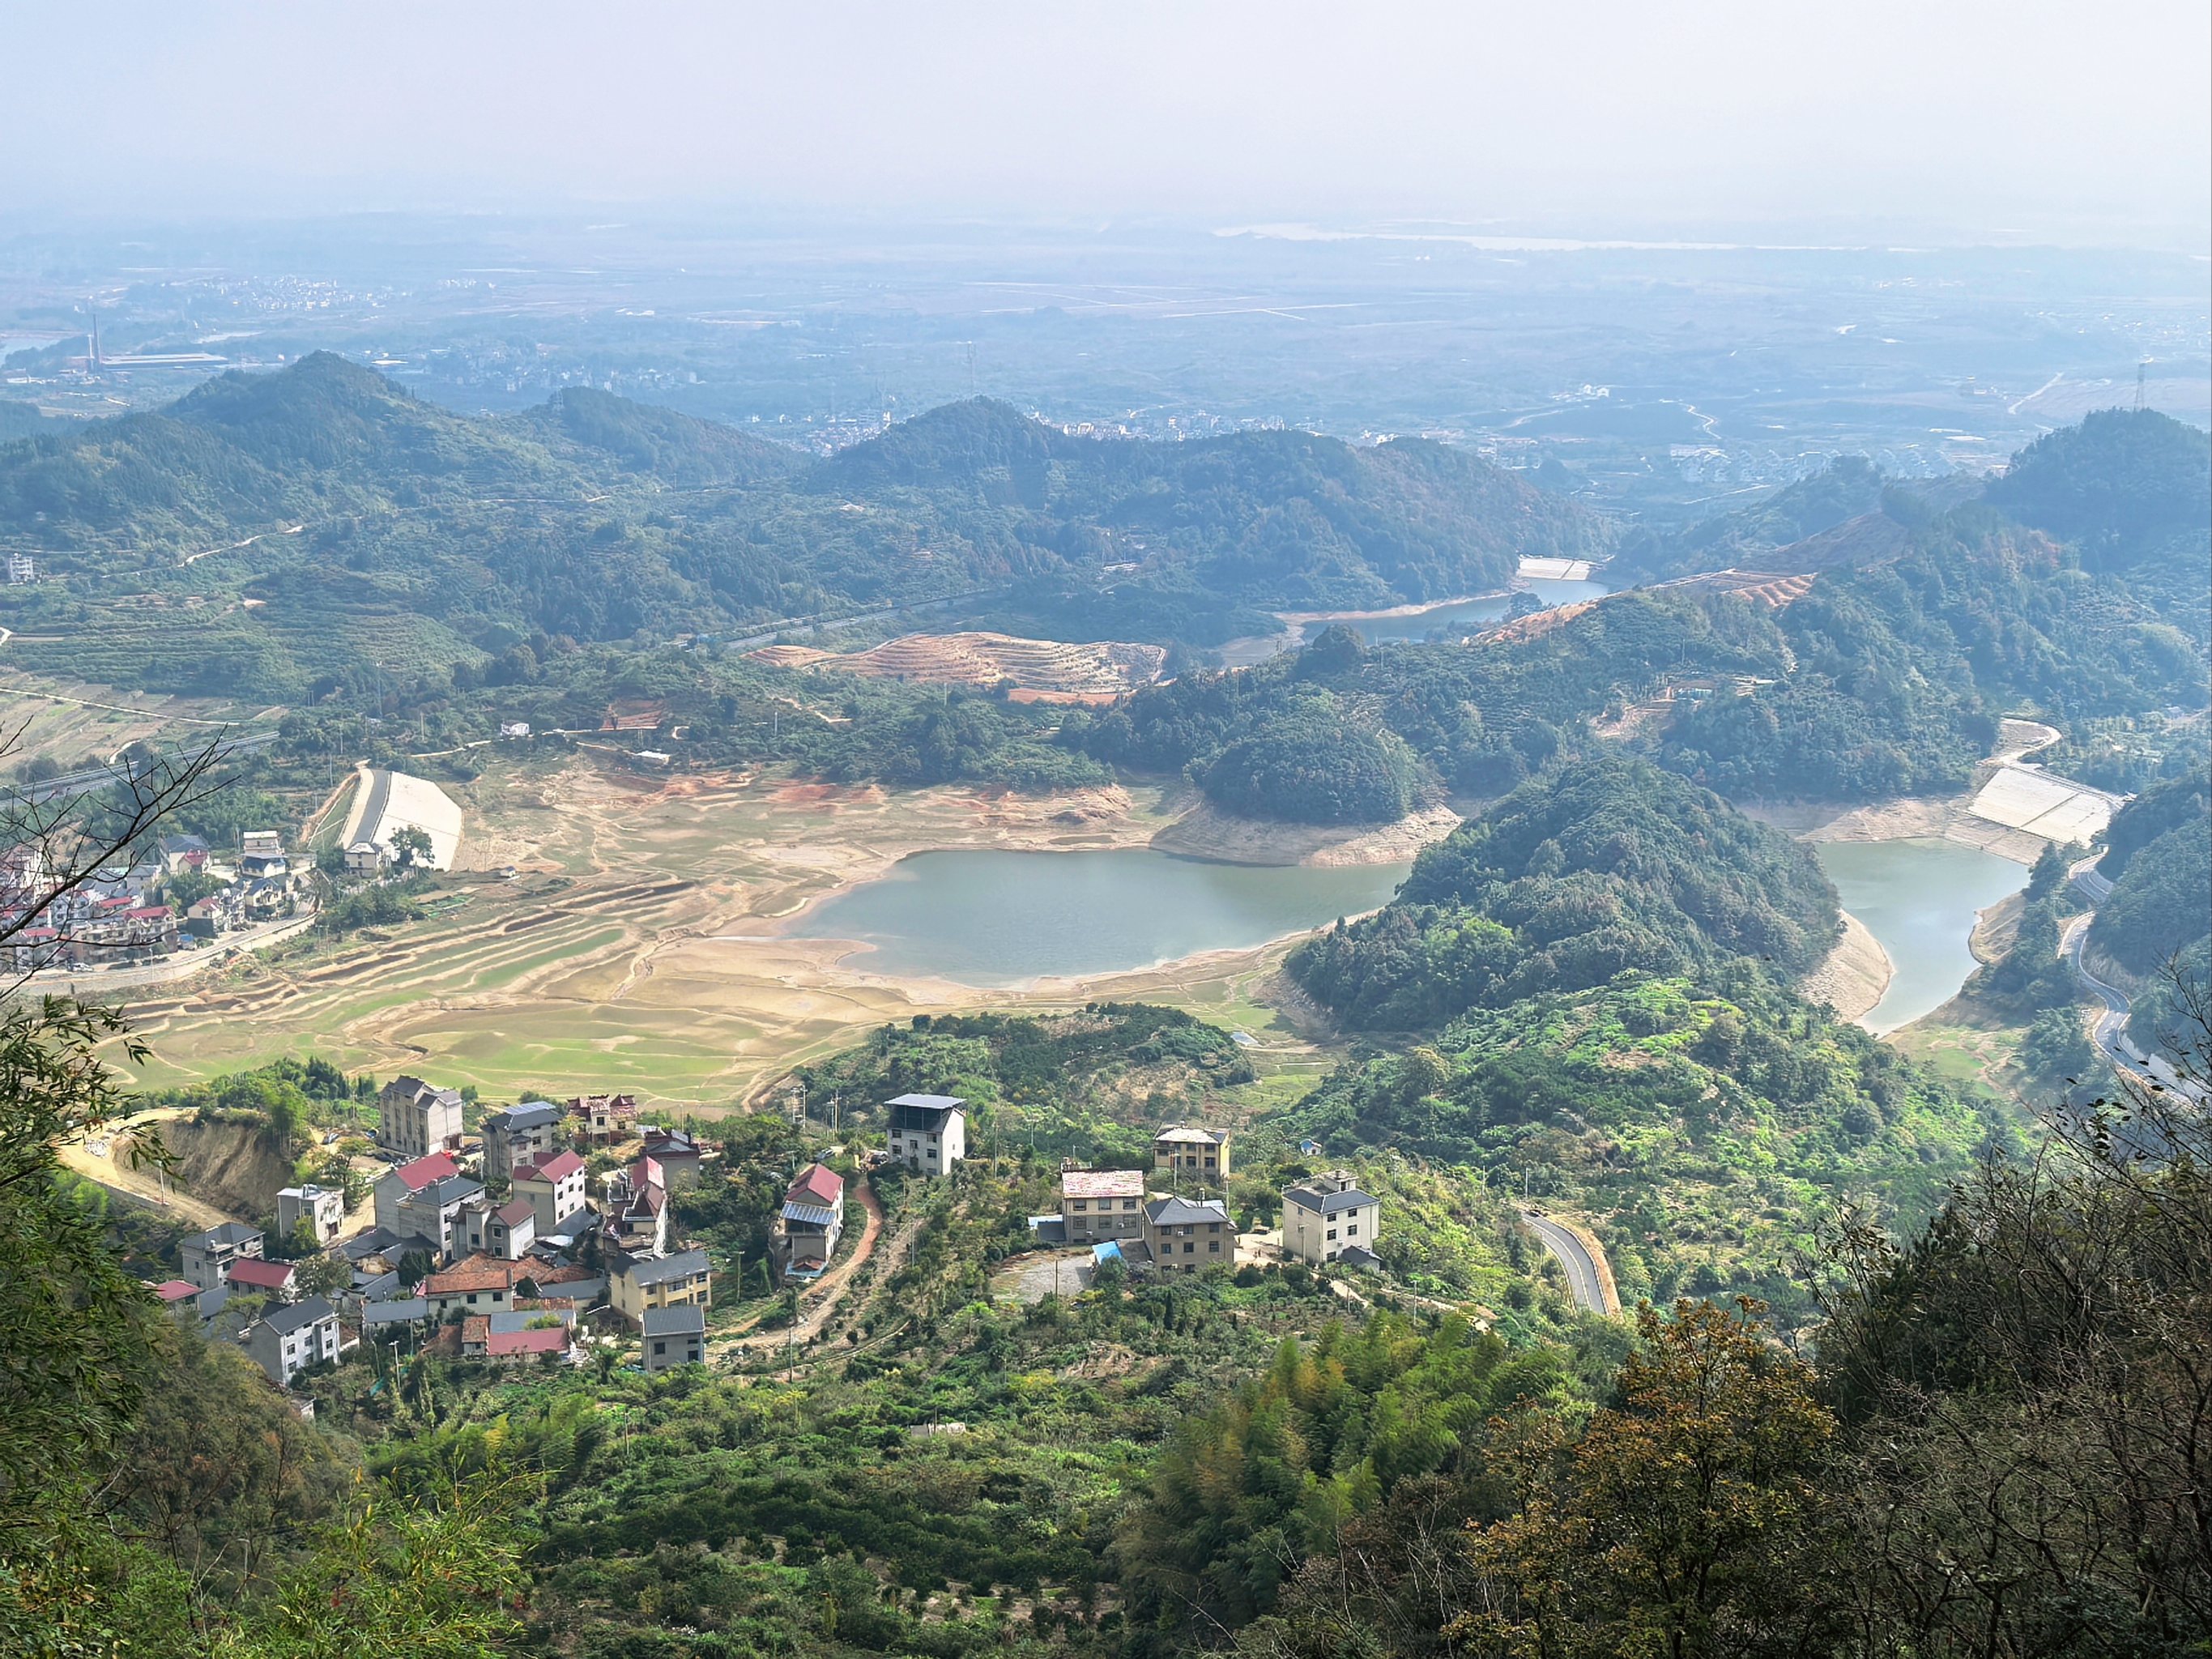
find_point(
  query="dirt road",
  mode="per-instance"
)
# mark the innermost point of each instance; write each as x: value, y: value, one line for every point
x: 819, y: 1301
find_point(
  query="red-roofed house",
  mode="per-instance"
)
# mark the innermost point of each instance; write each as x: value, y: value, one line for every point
x: 637, y: 1208
x: 256, y: 1275
x: 555, y: 1188
x: 812, y: 1221
x: 511, y: 1337
x: 173, y: 1290
x: 479, y: 1284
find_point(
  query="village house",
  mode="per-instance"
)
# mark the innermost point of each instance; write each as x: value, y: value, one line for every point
x: 323, y: 1208
x: 477, y: 1284
x: 677, y: 1153
x: 183, y: 852
x: 929, y: 1132
x: 204, y: 1260
x: 285, y: 1341
x: 255, y: 1276
x: 1186, y: 1236
x: 673, y: 1337
x: 1190, y: 1155
x: 1097, y: 1204
x: 396, y: 1318
x: 424, y: 1199
x: 507, y: 1231
x: 521, y: 1134
x: 637, y: 1208
x: 555, y: 1188
x: 261, y: 855
x: 641, y: 1283
x: 413, y: 1117
x: 364, y: 858
x: 604, y: 1118
x: 1325, y: 1216
x: 519, y: 1336
x: 810, y: 1223
x: 179, y: 1296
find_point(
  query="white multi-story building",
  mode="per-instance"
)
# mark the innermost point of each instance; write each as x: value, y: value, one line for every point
x: 1327, y: 1215
x: 929, y: 1132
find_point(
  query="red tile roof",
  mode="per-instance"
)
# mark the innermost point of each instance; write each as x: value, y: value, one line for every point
x: 823, y: 1185
x: 261, y: 1275
x: 175, y: 1290
x: 514, y: 1212
x: 543, y: 1338
x: 556, y: 1168
x: 478, y: 1273
x: 424, y: 1170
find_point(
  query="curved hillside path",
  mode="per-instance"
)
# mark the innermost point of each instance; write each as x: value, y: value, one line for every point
x: 1586, y: 1272
x: 820, y: 1300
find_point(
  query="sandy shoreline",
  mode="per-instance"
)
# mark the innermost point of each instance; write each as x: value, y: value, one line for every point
x: 1855, y: 976
x: 1204, y: 833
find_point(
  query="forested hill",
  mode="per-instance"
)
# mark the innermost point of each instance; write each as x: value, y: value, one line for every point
x: 1604, y: 865
x: 1284, y: 518
x: 348, y: 517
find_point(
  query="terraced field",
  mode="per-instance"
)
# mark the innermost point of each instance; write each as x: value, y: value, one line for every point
x: 637, y: 948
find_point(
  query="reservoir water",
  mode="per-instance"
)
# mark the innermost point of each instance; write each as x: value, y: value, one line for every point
x: 991, y: 918
x: 1919, y: 897
x: 1453, y: 619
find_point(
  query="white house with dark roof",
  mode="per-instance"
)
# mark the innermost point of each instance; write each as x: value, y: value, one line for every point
x: 810, y: 1222
x: 425, y: 1199
x: 323, y: 1208
x: 1325, y: 1216
x: 1186, y: 1235
x: 928, y: 1133
x: 521, y: 1134
x: 1096, y: 1204
x: 285, y: 1341
x: 204, y: 1260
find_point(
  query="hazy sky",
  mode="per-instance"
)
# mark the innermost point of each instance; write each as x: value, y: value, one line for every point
x: 2085, y: 121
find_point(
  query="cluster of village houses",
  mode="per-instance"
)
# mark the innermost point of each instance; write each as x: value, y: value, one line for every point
x: 1120, y: 1213
x: 449, y: 1267
x: 508, y: 1278
x: 121, y: 915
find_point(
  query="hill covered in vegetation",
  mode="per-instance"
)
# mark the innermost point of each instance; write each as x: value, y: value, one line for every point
x: 1606, y: 865
x: 266, y: 530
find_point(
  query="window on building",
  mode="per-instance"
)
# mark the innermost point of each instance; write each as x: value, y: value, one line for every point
x: 659, y: 1349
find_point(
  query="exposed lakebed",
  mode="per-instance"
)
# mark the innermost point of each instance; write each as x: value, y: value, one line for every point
x: 997, y: 918
x: 1919, y: 897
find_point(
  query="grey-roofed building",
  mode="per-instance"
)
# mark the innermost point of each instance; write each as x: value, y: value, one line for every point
x: 1324, y: 1215
x: 204, y: 1260
x: 403, y: 1311
x: 673, y: 1337
x: 641, y: 1283
x: 415, y: 1118
x: 928, y: 1133
x: 285, y: 1341
x: 521, y: 1134
x: 1188, y: 1235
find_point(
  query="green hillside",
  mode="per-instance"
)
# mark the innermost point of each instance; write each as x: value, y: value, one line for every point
x: 271, y: 533
x: 1606, y: 865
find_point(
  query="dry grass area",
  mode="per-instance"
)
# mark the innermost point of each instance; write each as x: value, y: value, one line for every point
x: 1039, y: 666
x: 641, y: 945
x: 78, y: 724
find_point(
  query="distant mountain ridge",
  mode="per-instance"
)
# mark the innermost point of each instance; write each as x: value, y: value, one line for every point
x: 431, y: 539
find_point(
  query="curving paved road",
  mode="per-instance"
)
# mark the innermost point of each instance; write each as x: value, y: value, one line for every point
x: 2114, y: 1020
x: 1582, y: 1272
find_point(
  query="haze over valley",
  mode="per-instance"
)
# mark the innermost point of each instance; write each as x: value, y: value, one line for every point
x: 994, y: 886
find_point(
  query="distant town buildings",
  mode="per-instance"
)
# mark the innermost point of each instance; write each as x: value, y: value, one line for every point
x: 206, y: 1259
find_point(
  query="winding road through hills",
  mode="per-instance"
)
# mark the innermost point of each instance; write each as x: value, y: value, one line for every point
x: 1586, y: 1276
